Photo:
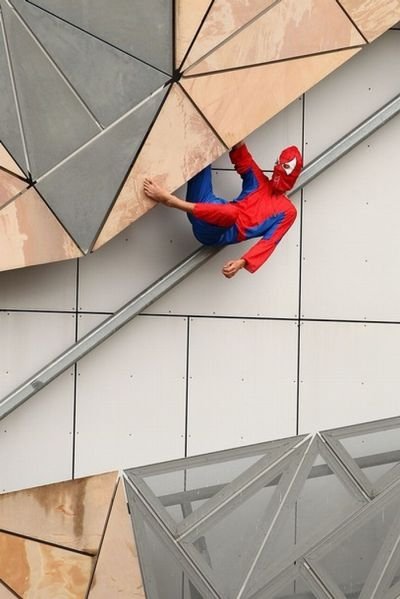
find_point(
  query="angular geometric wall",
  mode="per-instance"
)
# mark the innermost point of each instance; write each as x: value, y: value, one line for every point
x: 97, y: 95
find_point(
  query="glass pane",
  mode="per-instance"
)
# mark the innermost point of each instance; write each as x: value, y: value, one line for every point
x: 296, y: 590
x: 350, y: 563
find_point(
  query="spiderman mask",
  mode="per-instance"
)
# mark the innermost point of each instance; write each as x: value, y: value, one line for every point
x: 287, y: 169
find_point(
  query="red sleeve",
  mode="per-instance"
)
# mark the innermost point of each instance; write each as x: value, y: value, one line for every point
x: 243, y: 161
x: 261, y: 251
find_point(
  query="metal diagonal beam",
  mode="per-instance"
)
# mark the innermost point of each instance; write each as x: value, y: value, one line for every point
x: 152, y: 293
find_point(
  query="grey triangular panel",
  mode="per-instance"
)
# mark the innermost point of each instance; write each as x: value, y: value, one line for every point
x: 55, y: 121
x: 142, y: 28
x: 82, y: 189
x: 9, y: 128
x: 110, y: 81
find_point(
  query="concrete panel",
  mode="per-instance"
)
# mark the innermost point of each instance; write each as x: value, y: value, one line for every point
x: 348, y: 373
x: 350, y: 235
x: 83, y: 188
x: 46, y: 287
x: 131, y: 397
x: 271, y: 291
x: 351, y: 94
x: 45, y: 98
x: 242, y: 385
x: 143, y: 29
x: 110, y: 81
x: 36, y: 439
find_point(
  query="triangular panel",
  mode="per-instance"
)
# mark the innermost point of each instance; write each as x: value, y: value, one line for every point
x: 143, y: 29
x: 110, y: 81
x: 33, y: 569
x: 290, y: 29
x: 221, y: 97
x: 117, y: 572
x: 5, y: 593
x: 7, y: 162
x: 81, y: 190
x: 71, y: 514
x: 9, y: 125
x: 30, y: 234
x: 194, y: 146
x: 224, y: 19
x: 373, y: 17
x: 189, y: 15
x: 10, y: 186
x: 55, y: 120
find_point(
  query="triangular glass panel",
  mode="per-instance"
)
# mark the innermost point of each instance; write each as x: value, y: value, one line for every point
x: 297, y: 589
x: 142, y: 29
x: 82, y: 189
x: 54, y: 118
x: 9, y: 126
x: 350, y: 561
x: 318, y: 506
x: 110, y: 81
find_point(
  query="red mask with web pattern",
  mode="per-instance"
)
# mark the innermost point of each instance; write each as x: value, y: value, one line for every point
x: 287, y: 169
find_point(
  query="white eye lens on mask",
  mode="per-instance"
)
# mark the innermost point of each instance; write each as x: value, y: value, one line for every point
x: 289, y: 166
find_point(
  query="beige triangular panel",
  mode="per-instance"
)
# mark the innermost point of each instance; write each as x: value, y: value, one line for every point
x: 373, y: 17
x: 5, y: 593
x: 35, y: 570
x: 117, y: 571
x: 70, y: 514
x: 7, y: 161
x: 10, y: 186
x: 290, y: 29
x: 30, y: 234
x: 237, y: 102
x: 189, y: 14
x: 191, y: 146
x: 224, y: 18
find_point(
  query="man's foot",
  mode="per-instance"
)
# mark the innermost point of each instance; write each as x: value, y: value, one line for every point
x: 156, y: 193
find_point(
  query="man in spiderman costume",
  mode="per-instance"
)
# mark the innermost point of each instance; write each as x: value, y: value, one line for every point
x: 261, y: 209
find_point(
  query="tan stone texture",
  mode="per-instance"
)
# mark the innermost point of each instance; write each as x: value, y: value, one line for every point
x: 373, y: 17
x: 225, y: 100
x: 180, y: 144
x: 70, y: 514
x: 34, y: 570
x: 290, y: 29
x: 117, y: 571
x: 224, y: 18
x: 10, y: 186
x: 8, y: 162
x: 5, y: 593
x: 189, y: 14
x: 30, y: 234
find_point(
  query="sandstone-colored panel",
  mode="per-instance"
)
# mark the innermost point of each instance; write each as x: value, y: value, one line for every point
x: 373, y: 17
x: 30, y: 234
x: 224, y: 18
x: 70, y: 514
x: 5, y: 593
x: 189, y: 14
x: 117, y: 571
x: 34, y: 570
x: 179, y: 145
x: 7, y: 161
x: 10, y: 186
x: 237, y: 102
x: 290, y: 29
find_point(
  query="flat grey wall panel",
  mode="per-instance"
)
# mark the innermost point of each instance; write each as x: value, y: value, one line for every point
x: 144, y: 29
x: 10, y: 134
x: 351, y: 244
x: 271, y: 291
x: 348, y: 373
x: 134, y: 259
x: 54, y: 119
x: 352, y: 93
x: 242, y: 382
x: 131, y: 397
x: 82, y: 190
x: 45, y: 287
x: 110, y: 81
x: 266, y: 143
x: 36, y: 440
